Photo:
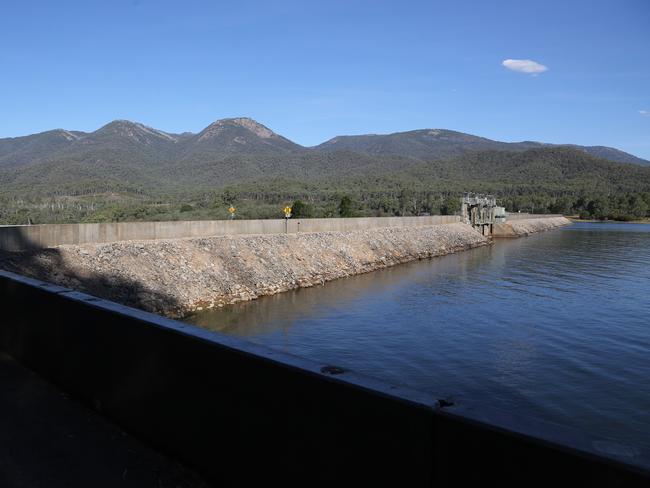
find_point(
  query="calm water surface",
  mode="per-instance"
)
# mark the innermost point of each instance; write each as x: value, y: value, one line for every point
x: 556, y: 325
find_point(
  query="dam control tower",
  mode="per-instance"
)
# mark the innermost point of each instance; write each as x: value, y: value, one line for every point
x: 481, y: 212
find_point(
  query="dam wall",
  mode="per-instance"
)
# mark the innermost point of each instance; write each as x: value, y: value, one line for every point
x: 524, y: 227
x: 176, y: 276
x: 22, y: 237
x: 244, y: 415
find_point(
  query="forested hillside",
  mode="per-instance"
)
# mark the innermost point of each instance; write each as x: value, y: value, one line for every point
x: 127, y: 171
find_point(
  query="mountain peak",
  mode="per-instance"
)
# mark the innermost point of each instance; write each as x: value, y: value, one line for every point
x: 135, y: 131
x: 254, y: 126
x: 66, y: 134
x: 247, y: 123
x: 119, y: 123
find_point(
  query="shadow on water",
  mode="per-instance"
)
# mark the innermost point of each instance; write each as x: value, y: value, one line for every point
x: 553, y: 325
x: 281, y: 311
x: 49, y: 265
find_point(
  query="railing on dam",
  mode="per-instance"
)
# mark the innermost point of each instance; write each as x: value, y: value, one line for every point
x: 13, y: 238
x: 245, y: 415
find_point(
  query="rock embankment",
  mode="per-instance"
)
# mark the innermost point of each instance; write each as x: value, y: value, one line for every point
x: 177, y: 276
x: 524, y: 227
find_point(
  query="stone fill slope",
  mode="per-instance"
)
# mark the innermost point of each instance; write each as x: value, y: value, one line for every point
x: 524, y: 227
x: 177, y: 276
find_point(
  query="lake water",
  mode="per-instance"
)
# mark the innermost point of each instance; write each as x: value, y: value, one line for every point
x: 556, y: 325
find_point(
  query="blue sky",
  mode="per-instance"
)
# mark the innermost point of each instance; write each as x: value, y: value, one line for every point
x: 311, y: 70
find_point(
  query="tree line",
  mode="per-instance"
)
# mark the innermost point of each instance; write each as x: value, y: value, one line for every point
x: 324, y: 204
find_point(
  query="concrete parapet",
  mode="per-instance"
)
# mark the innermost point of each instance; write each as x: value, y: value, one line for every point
x: 21, y: 237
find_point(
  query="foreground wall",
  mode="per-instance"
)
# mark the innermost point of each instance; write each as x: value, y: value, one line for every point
x: 244, y: 415
x: 18, y: 238
x: 177, y: 276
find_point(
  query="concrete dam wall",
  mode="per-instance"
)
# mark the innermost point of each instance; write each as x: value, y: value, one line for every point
x: 177, y: 276
x: 174, y: 277
x: 23, y: 237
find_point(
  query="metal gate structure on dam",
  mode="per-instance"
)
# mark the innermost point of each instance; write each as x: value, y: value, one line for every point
x: 481, y: 212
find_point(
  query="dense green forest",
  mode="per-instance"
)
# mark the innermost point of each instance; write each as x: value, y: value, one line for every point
x: 385, y: 196
x: 260, y: 202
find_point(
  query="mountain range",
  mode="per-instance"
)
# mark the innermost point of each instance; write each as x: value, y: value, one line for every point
x: 246, y: 136
x: 131, y: 157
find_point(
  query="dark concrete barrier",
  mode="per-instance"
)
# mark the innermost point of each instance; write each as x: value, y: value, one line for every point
x: 245, y: 415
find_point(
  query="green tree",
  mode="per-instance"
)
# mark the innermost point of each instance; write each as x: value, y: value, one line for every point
x: 345, y: 207
x: 450, y: 206
x: 387, y: 205
x: 227, y: 197
x: 598, y: 208
x: 408, y: 202
x: 638, y: 208
x: 300, y: 209
x: 561, y: 206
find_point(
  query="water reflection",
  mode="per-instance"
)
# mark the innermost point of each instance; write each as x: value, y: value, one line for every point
x: 555, y: 325
x: 280, y: 312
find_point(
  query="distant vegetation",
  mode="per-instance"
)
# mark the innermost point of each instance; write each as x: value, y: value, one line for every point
x: 127, y: 171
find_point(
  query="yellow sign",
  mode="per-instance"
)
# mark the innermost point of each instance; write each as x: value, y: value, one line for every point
x: 232, y: 209
x: 287, y: 212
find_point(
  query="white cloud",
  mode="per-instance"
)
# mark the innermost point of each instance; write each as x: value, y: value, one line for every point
x: 527, y: 66
x: 645, y: 113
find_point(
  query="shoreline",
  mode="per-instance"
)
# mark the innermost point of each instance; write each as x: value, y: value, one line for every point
x: 176, y: 277
x: 596, y: 221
